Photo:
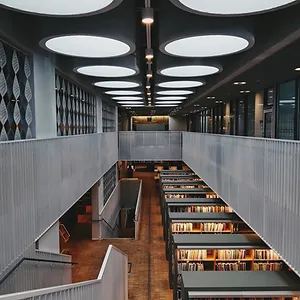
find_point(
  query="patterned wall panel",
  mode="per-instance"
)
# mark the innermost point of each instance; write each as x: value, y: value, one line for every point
x: 108, y: 117
x: 16, y: 96
x: 75, y: 108
x: 259, y: 179
x: 109, y: 183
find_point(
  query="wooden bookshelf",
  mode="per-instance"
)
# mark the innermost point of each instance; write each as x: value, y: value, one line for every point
x: 216, y: 253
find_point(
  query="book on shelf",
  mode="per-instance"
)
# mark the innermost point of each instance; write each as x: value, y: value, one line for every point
x: 266, y: 254
x: 233, y: 266
x: 191, y: 254
x: 202, y: 227
x: 201, y: 208
x: 231, y: 254
x: 188, y: 266
x: 275, y: 266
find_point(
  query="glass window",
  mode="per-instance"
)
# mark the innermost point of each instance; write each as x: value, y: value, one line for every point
x: 108, y: 118
x: 250, y: 114
x: 286, y: 110
x: 241, y: 117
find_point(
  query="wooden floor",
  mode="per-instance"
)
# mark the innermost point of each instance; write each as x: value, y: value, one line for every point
x: 149, y: 276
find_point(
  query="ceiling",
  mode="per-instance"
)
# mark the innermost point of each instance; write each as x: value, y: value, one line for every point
x: 272, y: 58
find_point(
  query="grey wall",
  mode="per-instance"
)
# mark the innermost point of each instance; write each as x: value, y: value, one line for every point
x: 49, y: 241
x: 150, y: 127
x: 177, y: 123
x: 259, y: 179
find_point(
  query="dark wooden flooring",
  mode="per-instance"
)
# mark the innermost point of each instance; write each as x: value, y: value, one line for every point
x: 149, y: 276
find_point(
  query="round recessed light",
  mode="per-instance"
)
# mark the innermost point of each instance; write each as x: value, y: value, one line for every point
x: 116, y: 84
x: 242, y: 92
x: 240, y: 83
x: 207, y: 45
x: 190, y: 71
x: 175, y: 92
x: 211, y: 97
x: 130, y: 102
x: 59, y: 7
x: 133, y: 105
x: 123, y: 93
x: 86, y: 46
x: 171, y: 98
x: 106, y: 71
x: 127, y: 98
x: 166, y: 105
x: 232, y: 7
x: 180, y: 84
x: 297, y: 69
x: 168, y: 102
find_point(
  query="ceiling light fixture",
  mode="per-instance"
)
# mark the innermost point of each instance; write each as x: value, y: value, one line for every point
x: 181, y: 84
x: 171, y: 98
x: 297, y: 69
x: 207, y: 45
x: 147, y: 15
x: 190, y: 71
x: 133, y: 105
x: 231, y: 7
x: 243, y: 92
x: 116, y: 84
x: 123, y: 93
x: 166, y: 105
x: 106, y: 71
x: 148, y: 94
x: 130, y: 102
x: 149, y: 53
x: 149, y: 74
x: 60, y: 8
x: 86, y: 46
x: 211, y: 97
x: 127, y: 98
x: 175, y: 92
x: 240, y: 83
x: 168, y: 102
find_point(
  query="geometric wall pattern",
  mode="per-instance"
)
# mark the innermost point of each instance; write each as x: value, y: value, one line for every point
x: 16, y: 94
x: 108, y: 118
x: 75, y: 108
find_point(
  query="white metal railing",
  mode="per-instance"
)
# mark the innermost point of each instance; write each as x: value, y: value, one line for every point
x: 138, y: 209
x: 112, y: 283
x: 40, y: 179
x: 259, y: 178
x: 150, y: 145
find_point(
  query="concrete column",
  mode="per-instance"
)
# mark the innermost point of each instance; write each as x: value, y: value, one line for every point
x: 44, y: 95
x: 95, y: 211
x: 259, y: 113
x: 49, y: 241
x: 117, y: 118
x: 99, y: 114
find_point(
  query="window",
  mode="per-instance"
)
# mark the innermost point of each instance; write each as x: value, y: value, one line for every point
x: 286, y: 110
x: 16, y: 94
x: 108, y: 117
x: 75, y: 108
x: 109, y: 183
x: 250, y: 114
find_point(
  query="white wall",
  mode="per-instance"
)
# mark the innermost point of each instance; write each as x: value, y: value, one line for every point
x: 49, y: 242
x: 177, y: 124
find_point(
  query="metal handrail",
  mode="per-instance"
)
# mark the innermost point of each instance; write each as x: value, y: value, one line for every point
x: 110, y: 227
x: 37, y: 260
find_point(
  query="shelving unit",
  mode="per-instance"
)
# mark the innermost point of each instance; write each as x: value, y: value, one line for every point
x: 191, y: 184
x: 203, y: 223
x: 217, y: 252
x: 188, y: 204
x: 239, y: 285
x: 176, y: 172
x: 180, y: 179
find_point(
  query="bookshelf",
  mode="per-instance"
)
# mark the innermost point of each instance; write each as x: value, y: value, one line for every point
x: 282, y: 285
x: 186, y: 204
x: 217, y: 253
x: 184, y: 185
x: 175, y: 172
x: 202, y: 223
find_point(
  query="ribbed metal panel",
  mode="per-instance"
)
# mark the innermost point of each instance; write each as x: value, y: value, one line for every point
x: 40, y: 180
x: 150, y: 145
x: 112, y: 283
x: 259, y: 178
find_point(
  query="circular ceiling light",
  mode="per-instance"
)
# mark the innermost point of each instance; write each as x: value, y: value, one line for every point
x: 116, y: 84
x: 190, y: 71
x: 168, y: 102
x: 127, y: 98
x: 123, y: 93
x: 207, y: 45
x: 86, y: 46
x: 231, y: 7
x: 180, y: 84
x: 59, y: 7
x: 171, y: 98
x: 130, y: 102
x: 106, y: 71
x: 133, y: 105
x: 175, y: 92
x: 166, y: 105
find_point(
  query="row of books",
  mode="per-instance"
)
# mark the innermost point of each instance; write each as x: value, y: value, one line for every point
x: 199, y: 209
x: 230, y: 254
x: 178, y: 179
x: 277, y: 266
x: 266, y: 254
x: 180, y: 186
x: 203, y: 227
x: 238, y: 266
x: 192, y: 254
x: 190, y: 267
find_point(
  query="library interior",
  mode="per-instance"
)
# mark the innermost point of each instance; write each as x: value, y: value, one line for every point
x: 149, y: 150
